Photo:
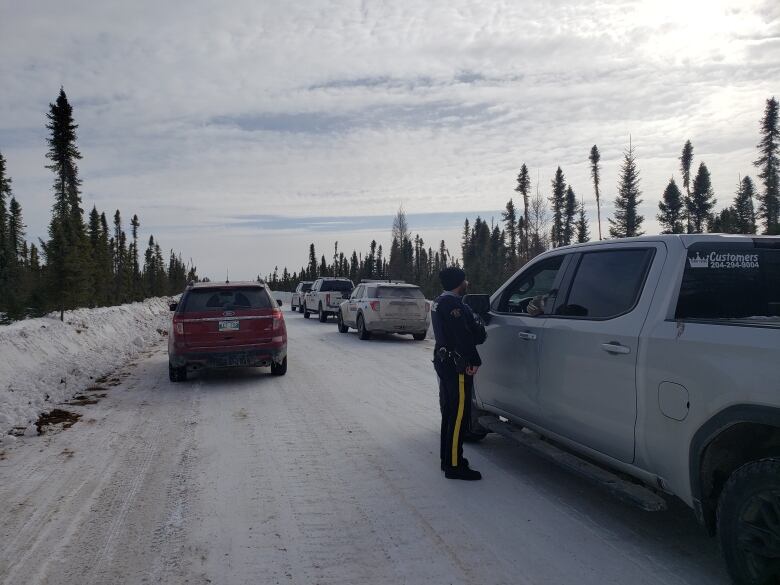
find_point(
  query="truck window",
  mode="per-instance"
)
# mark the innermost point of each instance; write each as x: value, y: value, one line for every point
x: 399, y: 292
x: 731, y: 282
x: 536, y: 282
x: 227, y: 299
x: 306, y: 287
x: 607, y: 284
x: 336, y: 285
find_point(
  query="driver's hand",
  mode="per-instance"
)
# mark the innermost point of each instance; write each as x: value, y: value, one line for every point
x: 536, y: 306
x: 472, y: 370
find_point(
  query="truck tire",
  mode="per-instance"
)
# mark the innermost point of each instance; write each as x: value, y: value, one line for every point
x: 340, y: 320
x: 292, y: 307
x: 323, y: 316
x: 418, y: 336
x: 279, y: 369
x: 177, y: 374
x: 305, y: 312
x: 749, y: 523
x: 363, y: 333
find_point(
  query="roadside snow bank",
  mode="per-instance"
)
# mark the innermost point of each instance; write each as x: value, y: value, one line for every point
x: 45, y: 361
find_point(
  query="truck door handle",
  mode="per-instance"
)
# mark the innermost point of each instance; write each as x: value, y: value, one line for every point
x: 527, y: 335
x: 615, y: 347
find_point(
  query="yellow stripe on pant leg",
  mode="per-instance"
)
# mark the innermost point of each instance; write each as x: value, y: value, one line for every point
x: 459, y: 419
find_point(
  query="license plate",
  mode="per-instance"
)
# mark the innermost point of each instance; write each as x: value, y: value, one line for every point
x: 228, y: 325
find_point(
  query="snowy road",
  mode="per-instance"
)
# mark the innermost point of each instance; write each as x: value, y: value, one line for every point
x: 327, y: 475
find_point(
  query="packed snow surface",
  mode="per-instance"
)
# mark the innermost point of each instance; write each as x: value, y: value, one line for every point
x: 45, y: 361
x: 328, y: 475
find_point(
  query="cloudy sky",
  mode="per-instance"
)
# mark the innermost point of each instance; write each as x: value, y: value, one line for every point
x: 240, y: 131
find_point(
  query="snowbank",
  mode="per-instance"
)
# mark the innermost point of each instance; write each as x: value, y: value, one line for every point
x: 45, y: 361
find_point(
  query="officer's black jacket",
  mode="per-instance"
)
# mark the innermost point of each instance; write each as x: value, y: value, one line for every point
x: 453, y: 323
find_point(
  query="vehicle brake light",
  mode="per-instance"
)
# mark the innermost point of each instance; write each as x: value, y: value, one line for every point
x: 277, y: 319
x: 327, y: 298
x: 374, y: 305
x: 179, y: 328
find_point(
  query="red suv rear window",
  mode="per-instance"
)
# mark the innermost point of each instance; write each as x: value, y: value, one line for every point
x: 226, y: 299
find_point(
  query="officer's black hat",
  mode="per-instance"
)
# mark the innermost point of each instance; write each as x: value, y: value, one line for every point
x: 451, y: 277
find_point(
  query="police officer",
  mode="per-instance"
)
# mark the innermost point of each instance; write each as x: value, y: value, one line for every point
x: 456, y: 362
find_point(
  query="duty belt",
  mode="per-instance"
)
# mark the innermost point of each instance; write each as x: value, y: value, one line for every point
x: 445, y: 354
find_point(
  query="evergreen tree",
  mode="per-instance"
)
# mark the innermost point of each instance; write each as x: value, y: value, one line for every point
x: 627, y: 222
x: 569, y: 217
x: 583, y: 231
x: 671, y: 210
x: 66, y: 250
x: 745, y: 214
x: 509, y: 216
x: 312, y: 268
x: 96, y: 274
x: 137, y: 286
x: 524, y: 188
x: 5, y: 194
x: 558, y: 201
x: 16, y: 250
x: 724, y: 222
x: 105, y: 260
x: 686, y: 160
x: 595, y: 157
x: 702, y: 200
x: 769, y: 163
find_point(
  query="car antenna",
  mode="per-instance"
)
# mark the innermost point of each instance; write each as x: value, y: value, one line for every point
x: 227, y: 276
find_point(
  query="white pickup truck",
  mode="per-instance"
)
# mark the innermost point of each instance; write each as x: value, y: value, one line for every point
x: 326, y: 296
x: 656, y: 357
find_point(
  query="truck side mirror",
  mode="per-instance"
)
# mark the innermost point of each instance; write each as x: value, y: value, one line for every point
x: 480, y: 304
x: 173, y: 306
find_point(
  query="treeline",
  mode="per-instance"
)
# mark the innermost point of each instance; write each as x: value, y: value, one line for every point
x: 81, y: 263
x: 492, y: 251
x: 408, y: 260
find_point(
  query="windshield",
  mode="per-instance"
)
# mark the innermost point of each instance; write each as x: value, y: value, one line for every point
x: 337, y: 285
x: 399, y: 292
x: 306, y: 287
x: 227, y: 299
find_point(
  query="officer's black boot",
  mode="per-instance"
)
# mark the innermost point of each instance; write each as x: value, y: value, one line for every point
x: 462, y: 472
x: 464, y: 462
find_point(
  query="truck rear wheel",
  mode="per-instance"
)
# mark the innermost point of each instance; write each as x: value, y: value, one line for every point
x: 418, y: 336
x: 305, y: 312
x: 749, y: 523
x: 322, y: 315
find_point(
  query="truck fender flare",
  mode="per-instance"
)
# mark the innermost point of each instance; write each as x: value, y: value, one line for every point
x: 726, y: 418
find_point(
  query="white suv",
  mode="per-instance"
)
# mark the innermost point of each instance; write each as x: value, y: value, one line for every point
x: 385, y: 307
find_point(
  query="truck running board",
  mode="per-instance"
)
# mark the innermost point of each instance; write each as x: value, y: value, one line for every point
x: 623, y: 489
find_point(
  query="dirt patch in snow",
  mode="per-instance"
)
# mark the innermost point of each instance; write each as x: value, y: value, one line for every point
x: 56, y: 417
x: 84, y: 399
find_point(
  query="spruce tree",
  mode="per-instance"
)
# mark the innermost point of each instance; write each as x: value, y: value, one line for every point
x: 5, y: 194
x: 16, y: 259
x: 524, y: 188
x: 96, y: 274
x: 509, y: 217
x: 745, y: 213
x: 769, y: 163
x: 137, y: 286
x: 702, y: 200
x: 106, y: 263
x: 569, y: 217
x: 595, y: 157
x: 583, y: 231
x: 67, y: 248
x: 312, y: 268
x: 686, y: 160
x: 558, y: 202
x: 627, y: 222
x: 671, y: 210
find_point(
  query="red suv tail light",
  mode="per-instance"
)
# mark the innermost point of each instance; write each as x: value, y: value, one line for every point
x: 374, y: 305
x: 278, y: 319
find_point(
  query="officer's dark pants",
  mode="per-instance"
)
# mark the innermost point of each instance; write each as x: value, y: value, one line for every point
x: 455, y: 404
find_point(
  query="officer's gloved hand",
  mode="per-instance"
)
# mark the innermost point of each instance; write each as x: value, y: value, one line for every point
x: 536, y: 305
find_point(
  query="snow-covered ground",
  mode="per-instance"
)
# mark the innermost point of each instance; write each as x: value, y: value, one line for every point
x: 327, y: 475
x: 45, y: 361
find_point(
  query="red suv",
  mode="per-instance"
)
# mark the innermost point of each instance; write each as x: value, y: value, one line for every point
x: 218, y: 325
